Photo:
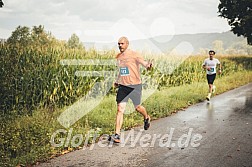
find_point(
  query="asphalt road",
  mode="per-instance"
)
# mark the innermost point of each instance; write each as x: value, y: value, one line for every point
x: 208, y: 134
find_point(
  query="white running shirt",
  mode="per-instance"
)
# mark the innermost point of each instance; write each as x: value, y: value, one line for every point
x: 212, y: 64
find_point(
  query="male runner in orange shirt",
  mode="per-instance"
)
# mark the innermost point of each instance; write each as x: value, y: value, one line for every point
x: 129, y: 83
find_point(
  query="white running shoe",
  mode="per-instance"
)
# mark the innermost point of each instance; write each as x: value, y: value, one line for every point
x: 208, y: 97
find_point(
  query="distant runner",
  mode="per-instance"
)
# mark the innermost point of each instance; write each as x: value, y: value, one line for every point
x: 210, y: 66
x: 129, y: 84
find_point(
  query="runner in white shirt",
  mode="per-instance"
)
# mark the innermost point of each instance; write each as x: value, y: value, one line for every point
x: 210, y: 65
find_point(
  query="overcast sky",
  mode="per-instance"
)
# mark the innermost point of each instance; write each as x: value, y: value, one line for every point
x: 107, y: 20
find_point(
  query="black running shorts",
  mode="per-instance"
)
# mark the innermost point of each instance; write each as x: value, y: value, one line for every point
x: 211, y: 78
x: 133, y: 92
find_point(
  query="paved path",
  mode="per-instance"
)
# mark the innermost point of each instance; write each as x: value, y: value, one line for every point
x: 216, y: 133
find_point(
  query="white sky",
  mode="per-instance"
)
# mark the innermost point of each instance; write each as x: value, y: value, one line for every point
x: 107, y: 20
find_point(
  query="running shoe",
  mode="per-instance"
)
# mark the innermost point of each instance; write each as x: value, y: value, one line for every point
x: 147, y: 123
x: 208, y: 97
x: 115, y: 138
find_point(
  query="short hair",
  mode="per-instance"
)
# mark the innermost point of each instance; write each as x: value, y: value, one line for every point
x: 124, y: 38
x: 211, y: 51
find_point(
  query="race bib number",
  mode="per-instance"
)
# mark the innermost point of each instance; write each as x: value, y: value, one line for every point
x: 124, y: 71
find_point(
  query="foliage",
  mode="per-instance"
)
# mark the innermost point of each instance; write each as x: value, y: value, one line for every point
x: 239, y: 16
x: 74, y: 42
x: 34, y: 76
x: 21, y: 36
x: 30, y: 38
x: 1, y: 4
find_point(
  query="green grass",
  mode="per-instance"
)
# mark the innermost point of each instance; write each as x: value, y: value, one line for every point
x: 26, y: 139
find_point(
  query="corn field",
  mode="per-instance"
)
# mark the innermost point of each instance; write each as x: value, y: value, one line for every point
x: 35, y: 77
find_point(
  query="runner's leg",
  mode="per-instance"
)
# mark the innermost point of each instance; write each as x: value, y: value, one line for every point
x: 119, y: 116
x: 142, y: 111
x: 210, y: 88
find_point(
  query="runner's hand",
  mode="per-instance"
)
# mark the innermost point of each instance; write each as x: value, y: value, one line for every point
x: 149, y: 66
x: 116, y: 84
x: 208, y: 68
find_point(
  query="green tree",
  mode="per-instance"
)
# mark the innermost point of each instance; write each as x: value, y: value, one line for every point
x: 21, y: 36
x: 239, y: 16
x: 40, y: 36
x: 74, y: 42
x: 37, y: 36
x: 1, y: 3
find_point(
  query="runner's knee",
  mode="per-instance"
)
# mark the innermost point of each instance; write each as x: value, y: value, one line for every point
x: 120, y: 109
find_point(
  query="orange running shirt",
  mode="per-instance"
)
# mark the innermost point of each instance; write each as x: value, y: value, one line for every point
x: 128, y: 63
